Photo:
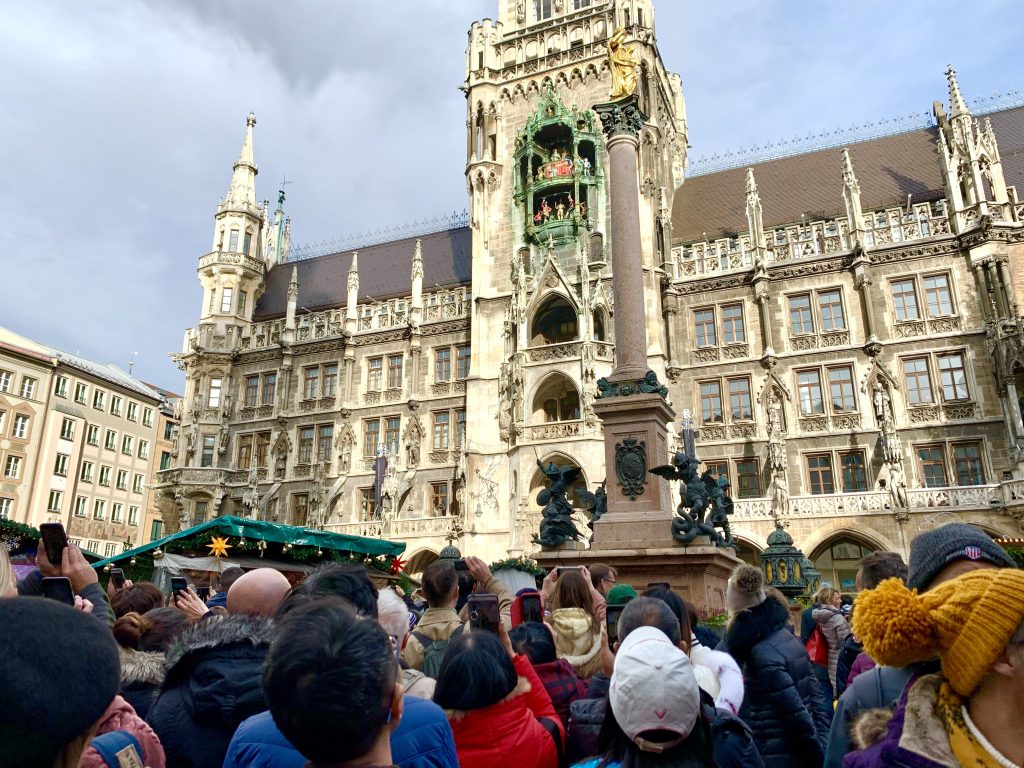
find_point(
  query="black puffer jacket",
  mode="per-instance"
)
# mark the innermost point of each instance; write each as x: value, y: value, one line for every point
x: 212, y: 684
x: 782, y: 704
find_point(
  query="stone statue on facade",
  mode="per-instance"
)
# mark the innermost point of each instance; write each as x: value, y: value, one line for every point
x: 190, y: 441
x: 343, y: 442
x: 251, y: 497
x: 779, y: 494
x: 898, y: 489
x: 282, y: 447
x: 624, y: 62
x: 222, y: 439
x: 556, y: 524
x: 413, y: 437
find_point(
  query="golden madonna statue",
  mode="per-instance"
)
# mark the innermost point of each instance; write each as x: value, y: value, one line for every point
x: 624, y: 61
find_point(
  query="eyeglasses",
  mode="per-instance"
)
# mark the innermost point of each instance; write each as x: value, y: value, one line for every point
x: 610, y: 581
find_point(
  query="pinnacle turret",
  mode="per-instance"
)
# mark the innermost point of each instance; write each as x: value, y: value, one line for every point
x: 957, y: 105
x: 242, y: 192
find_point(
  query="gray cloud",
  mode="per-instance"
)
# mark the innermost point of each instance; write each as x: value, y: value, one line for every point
x: 121, y: 120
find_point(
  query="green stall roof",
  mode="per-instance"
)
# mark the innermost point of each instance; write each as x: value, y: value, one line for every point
x: 272, y: 532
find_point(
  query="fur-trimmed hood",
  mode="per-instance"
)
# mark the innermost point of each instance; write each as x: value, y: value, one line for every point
x: 141, y: 667
x: 753, y: 625
x: 217, y: 632
x: 216, y: 668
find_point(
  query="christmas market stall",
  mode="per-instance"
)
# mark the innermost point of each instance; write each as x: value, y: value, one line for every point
x: 201, y: 552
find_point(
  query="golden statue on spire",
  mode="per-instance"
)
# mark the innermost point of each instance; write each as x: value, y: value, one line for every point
x: 624, y: 61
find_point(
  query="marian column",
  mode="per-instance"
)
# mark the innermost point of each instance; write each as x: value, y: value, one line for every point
x: 635, y: 534
x: 631, y: 402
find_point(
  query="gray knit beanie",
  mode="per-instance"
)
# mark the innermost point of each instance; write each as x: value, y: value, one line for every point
x: 932, y: 551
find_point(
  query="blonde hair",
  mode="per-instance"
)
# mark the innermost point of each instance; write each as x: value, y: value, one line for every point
x: 826, y: 595
x: 8, y: 584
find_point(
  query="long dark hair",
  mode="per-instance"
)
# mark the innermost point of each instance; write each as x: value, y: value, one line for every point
x: 476, y: 672
x: 697, y: 751
x: 573, y: 591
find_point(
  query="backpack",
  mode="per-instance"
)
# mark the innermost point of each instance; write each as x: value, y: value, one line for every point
x: 817, y: 647
x: 119, y: 749
x: 434, y: 652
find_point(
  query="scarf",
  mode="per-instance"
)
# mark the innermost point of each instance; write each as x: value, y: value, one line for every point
x: 966, y: 747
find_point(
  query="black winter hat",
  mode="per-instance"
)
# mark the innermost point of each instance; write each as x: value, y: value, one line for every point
x: 932, y: 551
x: 59, y: 671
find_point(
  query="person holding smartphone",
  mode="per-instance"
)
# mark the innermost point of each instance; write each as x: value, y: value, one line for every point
x: 84, y: 581
x: 428, y: 643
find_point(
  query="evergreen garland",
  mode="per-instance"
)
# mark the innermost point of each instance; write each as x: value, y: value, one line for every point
x: 524, y: 564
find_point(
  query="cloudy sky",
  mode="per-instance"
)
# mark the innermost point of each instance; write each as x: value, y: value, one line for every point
x: 120, y: 120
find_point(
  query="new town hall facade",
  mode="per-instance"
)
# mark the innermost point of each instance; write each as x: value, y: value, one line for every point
x: 843, y: 324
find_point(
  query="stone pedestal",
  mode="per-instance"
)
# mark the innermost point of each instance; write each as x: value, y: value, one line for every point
x: 698, y: 573
x: 639, y: 513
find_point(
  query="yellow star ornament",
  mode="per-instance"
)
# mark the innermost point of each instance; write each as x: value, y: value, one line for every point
x: 219, y: 546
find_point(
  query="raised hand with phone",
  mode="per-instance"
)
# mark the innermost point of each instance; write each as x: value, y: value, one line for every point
x: 69, y: 567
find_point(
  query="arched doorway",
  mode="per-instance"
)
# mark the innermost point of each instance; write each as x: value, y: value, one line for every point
x: 747, y: 551
x: 554, y: 322
x: 556, y: 399
x: 419, y: 561
x: 839, y: 558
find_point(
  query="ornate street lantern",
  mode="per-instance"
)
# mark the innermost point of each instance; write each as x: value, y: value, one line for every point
x: 783, y: 564
x: 812, y: 577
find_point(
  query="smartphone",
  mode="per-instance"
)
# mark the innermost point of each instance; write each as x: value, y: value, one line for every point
x: 532, y: 610
x: 204, y: 593
x: 117, y: 577
x: 566, y: 568
x: 460, y: 565
x: 55, y: 540
x: 59, y: 588
x: 178, y: 584
x: 612, y: 617
x: 658, y: 585
x: 483, y: 611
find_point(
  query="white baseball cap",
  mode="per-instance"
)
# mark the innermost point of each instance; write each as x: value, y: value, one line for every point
x: 653, y: 688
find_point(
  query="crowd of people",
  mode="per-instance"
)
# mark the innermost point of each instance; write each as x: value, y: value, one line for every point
x: 924, y: 668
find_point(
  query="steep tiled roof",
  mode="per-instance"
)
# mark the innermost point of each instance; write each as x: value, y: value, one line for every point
x: 106, y: 371
x: 385, y: 270
x: 888, y: 168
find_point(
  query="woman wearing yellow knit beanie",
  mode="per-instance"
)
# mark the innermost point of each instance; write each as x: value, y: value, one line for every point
x: 972, y: 714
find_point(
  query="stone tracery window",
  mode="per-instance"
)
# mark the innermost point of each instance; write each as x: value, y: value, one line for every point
x: 555, y: 322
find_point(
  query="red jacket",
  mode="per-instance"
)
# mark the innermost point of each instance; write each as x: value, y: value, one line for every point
x: 508, y: 734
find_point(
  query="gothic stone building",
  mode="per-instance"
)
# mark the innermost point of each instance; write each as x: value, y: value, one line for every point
x: 842, y: 323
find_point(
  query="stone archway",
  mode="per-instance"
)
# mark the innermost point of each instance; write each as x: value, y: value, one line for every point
x: 837, y: 556
x: 419, y: 561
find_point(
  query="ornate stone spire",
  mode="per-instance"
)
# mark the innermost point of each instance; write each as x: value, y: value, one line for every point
x: 957, y: 105
x: 242, y: 192
x: 416, y: 310
x: 353, y: 290
x: 851, y: 196
x: 755, y: 222
x: 293, y: 298
x: 293, y: 284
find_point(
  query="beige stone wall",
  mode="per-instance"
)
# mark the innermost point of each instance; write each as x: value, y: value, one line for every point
x: 104, y: 535
x: 16, y: 365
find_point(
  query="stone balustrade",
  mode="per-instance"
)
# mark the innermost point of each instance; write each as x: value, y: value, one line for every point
x: 396, y: 529
x: 817, y: 238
